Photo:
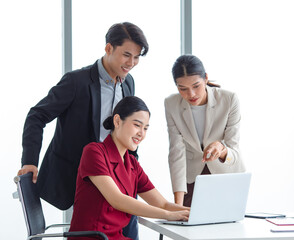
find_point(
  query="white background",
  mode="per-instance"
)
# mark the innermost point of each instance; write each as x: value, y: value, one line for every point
x: 246, y: 46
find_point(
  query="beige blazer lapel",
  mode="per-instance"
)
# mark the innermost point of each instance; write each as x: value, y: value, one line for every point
x: 210, y: 112
x: 191, y: 134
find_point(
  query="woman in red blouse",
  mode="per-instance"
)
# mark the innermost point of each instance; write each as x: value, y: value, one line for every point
x: 109, y: 178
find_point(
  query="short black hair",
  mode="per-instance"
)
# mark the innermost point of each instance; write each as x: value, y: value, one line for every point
x: 120, y: 32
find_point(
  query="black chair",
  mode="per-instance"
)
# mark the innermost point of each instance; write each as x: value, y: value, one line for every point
x: 34, y: 217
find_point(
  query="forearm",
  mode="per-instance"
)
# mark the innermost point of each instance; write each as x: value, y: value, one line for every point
x: 125, y: 203
x: 133, y: 206
x: 174, y: 207
x: 32, y: 139
x: 179, y: 198
x: 177, y: 166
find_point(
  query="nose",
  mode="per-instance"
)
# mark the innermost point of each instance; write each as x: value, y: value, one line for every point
x: 140, y: 132
x: 191, y: 93
x: 131, y: 62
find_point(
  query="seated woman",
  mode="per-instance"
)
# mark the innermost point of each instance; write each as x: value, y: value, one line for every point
x: 109, y: 178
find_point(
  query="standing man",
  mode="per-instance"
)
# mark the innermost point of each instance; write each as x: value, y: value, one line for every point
x: 81, y: 101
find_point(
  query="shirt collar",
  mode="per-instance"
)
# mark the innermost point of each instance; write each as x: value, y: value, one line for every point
x: 103, y: 74
x: 114, y: 153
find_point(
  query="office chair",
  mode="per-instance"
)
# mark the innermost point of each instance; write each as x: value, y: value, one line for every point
x: 34, y: 217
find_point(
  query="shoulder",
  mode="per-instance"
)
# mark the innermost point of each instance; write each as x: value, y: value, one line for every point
x: 94, y: 160
x: 94, y: 153
x: 220, y: 93
x: 222, y: 98
x: 80, y: 76
x: 83, y: 70
x: 94, y: 147
x: 129, y: 78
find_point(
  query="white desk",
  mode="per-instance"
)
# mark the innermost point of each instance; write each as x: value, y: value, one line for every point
x: 247, y: 229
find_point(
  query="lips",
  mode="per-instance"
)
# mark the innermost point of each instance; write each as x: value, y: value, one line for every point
x: 193, y: 100
x: 125, y: 69
x: 136, y: 140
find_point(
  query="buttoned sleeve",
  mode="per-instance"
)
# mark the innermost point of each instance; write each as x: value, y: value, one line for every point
x: 93, y: 161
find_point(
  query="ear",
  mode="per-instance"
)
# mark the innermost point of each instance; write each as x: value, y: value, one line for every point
x: 108, y: 49
x: 116, y: 120
x: 206, y: 78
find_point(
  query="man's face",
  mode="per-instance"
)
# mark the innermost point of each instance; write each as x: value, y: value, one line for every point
x: 120, y: 60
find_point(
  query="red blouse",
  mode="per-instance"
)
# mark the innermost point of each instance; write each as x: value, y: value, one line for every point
x: 91, y: 210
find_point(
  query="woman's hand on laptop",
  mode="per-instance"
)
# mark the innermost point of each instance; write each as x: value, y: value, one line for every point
x: 178, y: 215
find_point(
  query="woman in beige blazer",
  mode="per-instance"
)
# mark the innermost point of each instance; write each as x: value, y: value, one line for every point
x: 203, y: 123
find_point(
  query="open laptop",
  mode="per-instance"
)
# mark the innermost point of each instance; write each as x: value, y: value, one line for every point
x: 218, y: 198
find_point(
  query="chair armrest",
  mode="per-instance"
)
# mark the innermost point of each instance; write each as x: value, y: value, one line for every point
x: 58, y: 225
x: 91, y: 234
x: 45, y: 235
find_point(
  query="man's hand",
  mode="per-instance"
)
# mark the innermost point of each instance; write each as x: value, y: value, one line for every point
x: 29, y: 168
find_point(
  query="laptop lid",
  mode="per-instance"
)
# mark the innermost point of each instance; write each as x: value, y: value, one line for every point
x: 218, y: 198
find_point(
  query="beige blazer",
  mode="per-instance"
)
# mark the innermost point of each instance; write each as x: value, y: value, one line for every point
x: 185, y: 152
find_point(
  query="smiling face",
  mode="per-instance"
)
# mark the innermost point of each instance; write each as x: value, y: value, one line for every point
x: 119, y: 60
x: 131, y: 131
x: 193, y: 89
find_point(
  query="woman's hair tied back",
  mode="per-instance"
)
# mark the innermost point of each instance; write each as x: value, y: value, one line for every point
x: 125, y: 108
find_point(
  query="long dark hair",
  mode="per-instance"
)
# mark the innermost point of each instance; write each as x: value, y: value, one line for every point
x: 125, y: 108
x: 120, y: 32
x: 189, y: 65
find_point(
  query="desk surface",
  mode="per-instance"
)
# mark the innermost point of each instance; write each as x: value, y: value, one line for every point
x: 247, y: 229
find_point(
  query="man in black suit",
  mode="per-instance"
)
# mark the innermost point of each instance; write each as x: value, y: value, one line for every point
x: 80, y: 101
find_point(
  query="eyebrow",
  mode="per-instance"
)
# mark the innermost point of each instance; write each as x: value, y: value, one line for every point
x: 126, y: 52
x: 192, y: 84
x: 136, y: 120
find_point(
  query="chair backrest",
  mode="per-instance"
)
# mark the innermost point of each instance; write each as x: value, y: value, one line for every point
x: 31, y: 204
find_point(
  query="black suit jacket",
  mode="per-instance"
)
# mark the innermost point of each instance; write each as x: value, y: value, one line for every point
x: 76, y: 103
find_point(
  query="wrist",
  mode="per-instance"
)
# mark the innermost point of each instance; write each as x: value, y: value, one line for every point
x: 166, y: 214
x: 223, y: 153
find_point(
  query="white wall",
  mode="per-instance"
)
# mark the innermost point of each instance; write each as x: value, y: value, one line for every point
x: 248, y: 48
x: 30, y: 60
x: 245, y: 45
